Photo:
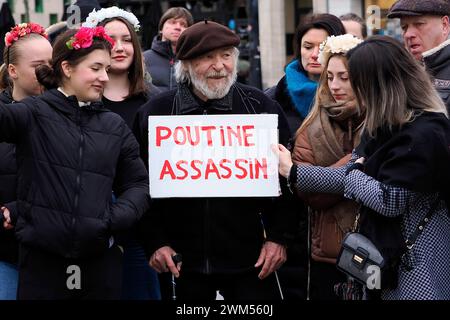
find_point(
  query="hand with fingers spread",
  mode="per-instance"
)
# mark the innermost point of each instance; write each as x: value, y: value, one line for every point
x: 161, y: 261
x: 284, y: 155
x: 272, y: 257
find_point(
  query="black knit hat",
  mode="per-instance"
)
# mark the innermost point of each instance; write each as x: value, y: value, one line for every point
x: 403, y: 8
x: 203, y: 37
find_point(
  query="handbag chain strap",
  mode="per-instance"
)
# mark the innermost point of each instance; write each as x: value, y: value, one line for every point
x: 410, y: 242
x: 356, y: 222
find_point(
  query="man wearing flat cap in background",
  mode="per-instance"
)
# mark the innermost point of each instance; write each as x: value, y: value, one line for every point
x: 426, y: 28
x: 221, y: 240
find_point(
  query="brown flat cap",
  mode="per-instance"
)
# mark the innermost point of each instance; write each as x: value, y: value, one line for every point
x: 403, y: 8
x: 203, y: 37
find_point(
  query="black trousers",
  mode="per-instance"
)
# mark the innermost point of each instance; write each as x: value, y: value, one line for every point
x: 46, y: 276
x: 239, y: 286
x: 324, y: 276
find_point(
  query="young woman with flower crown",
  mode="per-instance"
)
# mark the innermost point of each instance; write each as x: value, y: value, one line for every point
x: 71, y: 152
x: 26, y: 48
x: 295, y: 94
x: 126, y: 89
x: 326, y: 138
x: 124, y: 93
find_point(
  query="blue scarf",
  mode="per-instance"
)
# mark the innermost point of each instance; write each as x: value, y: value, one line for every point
x: 301, y: 89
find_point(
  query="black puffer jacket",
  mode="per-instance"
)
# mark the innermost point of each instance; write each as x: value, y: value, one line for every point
x: 215, y: 235
x: 8, y: 189
x: 437, y: 62
x: 70, y: 158
x: 159, y: 62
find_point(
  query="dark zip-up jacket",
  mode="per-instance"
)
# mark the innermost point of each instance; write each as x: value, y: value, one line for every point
x: 159, y: 62
x: 8, y: 190
x: 69, y: 159
x: 437, y: 62
x: 215, y: 235
x: 280, y: 94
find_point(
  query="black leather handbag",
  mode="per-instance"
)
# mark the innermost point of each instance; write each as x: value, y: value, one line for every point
x: 360, y: 259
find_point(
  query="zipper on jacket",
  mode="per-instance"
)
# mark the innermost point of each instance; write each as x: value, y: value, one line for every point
x: 78, y: 178
x: 171, y: 62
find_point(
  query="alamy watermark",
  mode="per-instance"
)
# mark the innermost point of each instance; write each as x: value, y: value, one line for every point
x: 73, y: 16
x: 74, y: 278
x: 374, y: 280
x: 373, y: 20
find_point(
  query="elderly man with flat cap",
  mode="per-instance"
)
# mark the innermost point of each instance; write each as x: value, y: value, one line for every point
x: 426, y: 28
x: 221, y: 240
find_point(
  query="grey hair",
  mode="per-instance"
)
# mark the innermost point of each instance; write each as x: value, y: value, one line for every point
x: 182, y: 68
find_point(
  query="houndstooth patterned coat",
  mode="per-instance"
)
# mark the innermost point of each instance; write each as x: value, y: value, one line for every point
x: 429, y: 277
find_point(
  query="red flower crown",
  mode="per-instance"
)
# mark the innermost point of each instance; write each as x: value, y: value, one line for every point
x: 22, y: 30
x: 85, y: 36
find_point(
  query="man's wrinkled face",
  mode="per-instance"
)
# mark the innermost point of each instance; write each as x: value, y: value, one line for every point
x: 422, y: 33
x: 213, y: 73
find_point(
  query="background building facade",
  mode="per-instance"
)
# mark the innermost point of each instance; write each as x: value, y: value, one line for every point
x: 266, y: 27
x: 44, y: 12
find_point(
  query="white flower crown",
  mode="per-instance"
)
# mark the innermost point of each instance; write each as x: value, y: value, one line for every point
x: 337, y: 44
x: 95, y: 17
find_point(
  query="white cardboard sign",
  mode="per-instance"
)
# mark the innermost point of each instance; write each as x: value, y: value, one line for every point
x: 213, y: 156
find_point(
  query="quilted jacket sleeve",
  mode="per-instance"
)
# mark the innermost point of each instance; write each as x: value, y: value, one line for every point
x: 15, y: 121
x: 130, y: 185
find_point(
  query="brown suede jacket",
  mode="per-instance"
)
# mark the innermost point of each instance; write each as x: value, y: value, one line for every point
x: 332, y: 215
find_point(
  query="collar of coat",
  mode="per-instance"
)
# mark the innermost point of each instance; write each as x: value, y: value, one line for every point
x: 435, y: 49
x: 164, y: 48
x: 70, y: 104
x: 436, y: 60
x: 187, y: 103
x: 6, y: 96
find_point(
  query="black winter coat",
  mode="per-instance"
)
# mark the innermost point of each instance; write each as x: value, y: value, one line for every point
x: 159, y: 62
x: 70, y: 159
x: 280, y: 94
x: 396, y: 157
x: 437, y: 63
x: 8, y: 190
x: 215, y: 235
